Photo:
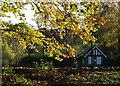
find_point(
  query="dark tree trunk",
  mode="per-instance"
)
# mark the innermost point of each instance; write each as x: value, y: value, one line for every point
x: 119, y: 28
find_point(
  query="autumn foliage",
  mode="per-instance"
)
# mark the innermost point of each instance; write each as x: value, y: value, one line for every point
x: 67, y: 17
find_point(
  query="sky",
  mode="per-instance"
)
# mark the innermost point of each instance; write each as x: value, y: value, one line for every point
x: 29, y: 14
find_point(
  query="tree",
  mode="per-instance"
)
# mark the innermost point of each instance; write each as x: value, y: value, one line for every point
x: 77, y: 18
x: 108, y: 35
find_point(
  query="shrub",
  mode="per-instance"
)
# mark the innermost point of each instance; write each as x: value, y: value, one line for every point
x: 7, y: 54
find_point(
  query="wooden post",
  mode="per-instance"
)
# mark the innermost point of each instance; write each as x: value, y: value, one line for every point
x: 43, y: 55
x: 91, y: 44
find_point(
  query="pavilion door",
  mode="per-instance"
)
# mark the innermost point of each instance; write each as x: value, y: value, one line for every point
x: 89, y: 60
x: 98, y: 60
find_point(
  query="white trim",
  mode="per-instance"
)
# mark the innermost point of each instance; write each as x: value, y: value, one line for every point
x: 98, y: 53
x: 94, y: 52
x: 98, y: 50
x: 101, y: 52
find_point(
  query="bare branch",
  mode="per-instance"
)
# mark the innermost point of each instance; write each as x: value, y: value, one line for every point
x: 37, y: 6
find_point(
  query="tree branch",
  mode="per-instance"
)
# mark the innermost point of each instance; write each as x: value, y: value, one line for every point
x: 37, y: 6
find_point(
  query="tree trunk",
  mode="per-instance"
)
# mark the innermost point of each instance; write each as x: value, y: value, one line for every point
x: 119, y: 28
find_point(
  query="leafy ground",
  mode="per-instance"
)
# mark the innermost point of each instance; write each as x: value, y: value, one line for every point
x: 25, y: 76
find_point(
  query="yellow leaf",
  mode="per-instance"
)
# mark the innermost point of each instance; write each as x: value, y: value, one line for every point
x: 85, y: 42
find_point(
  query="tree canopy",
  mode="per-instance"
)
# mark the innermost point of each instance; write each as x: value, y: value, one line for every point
x: 77, y: 18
